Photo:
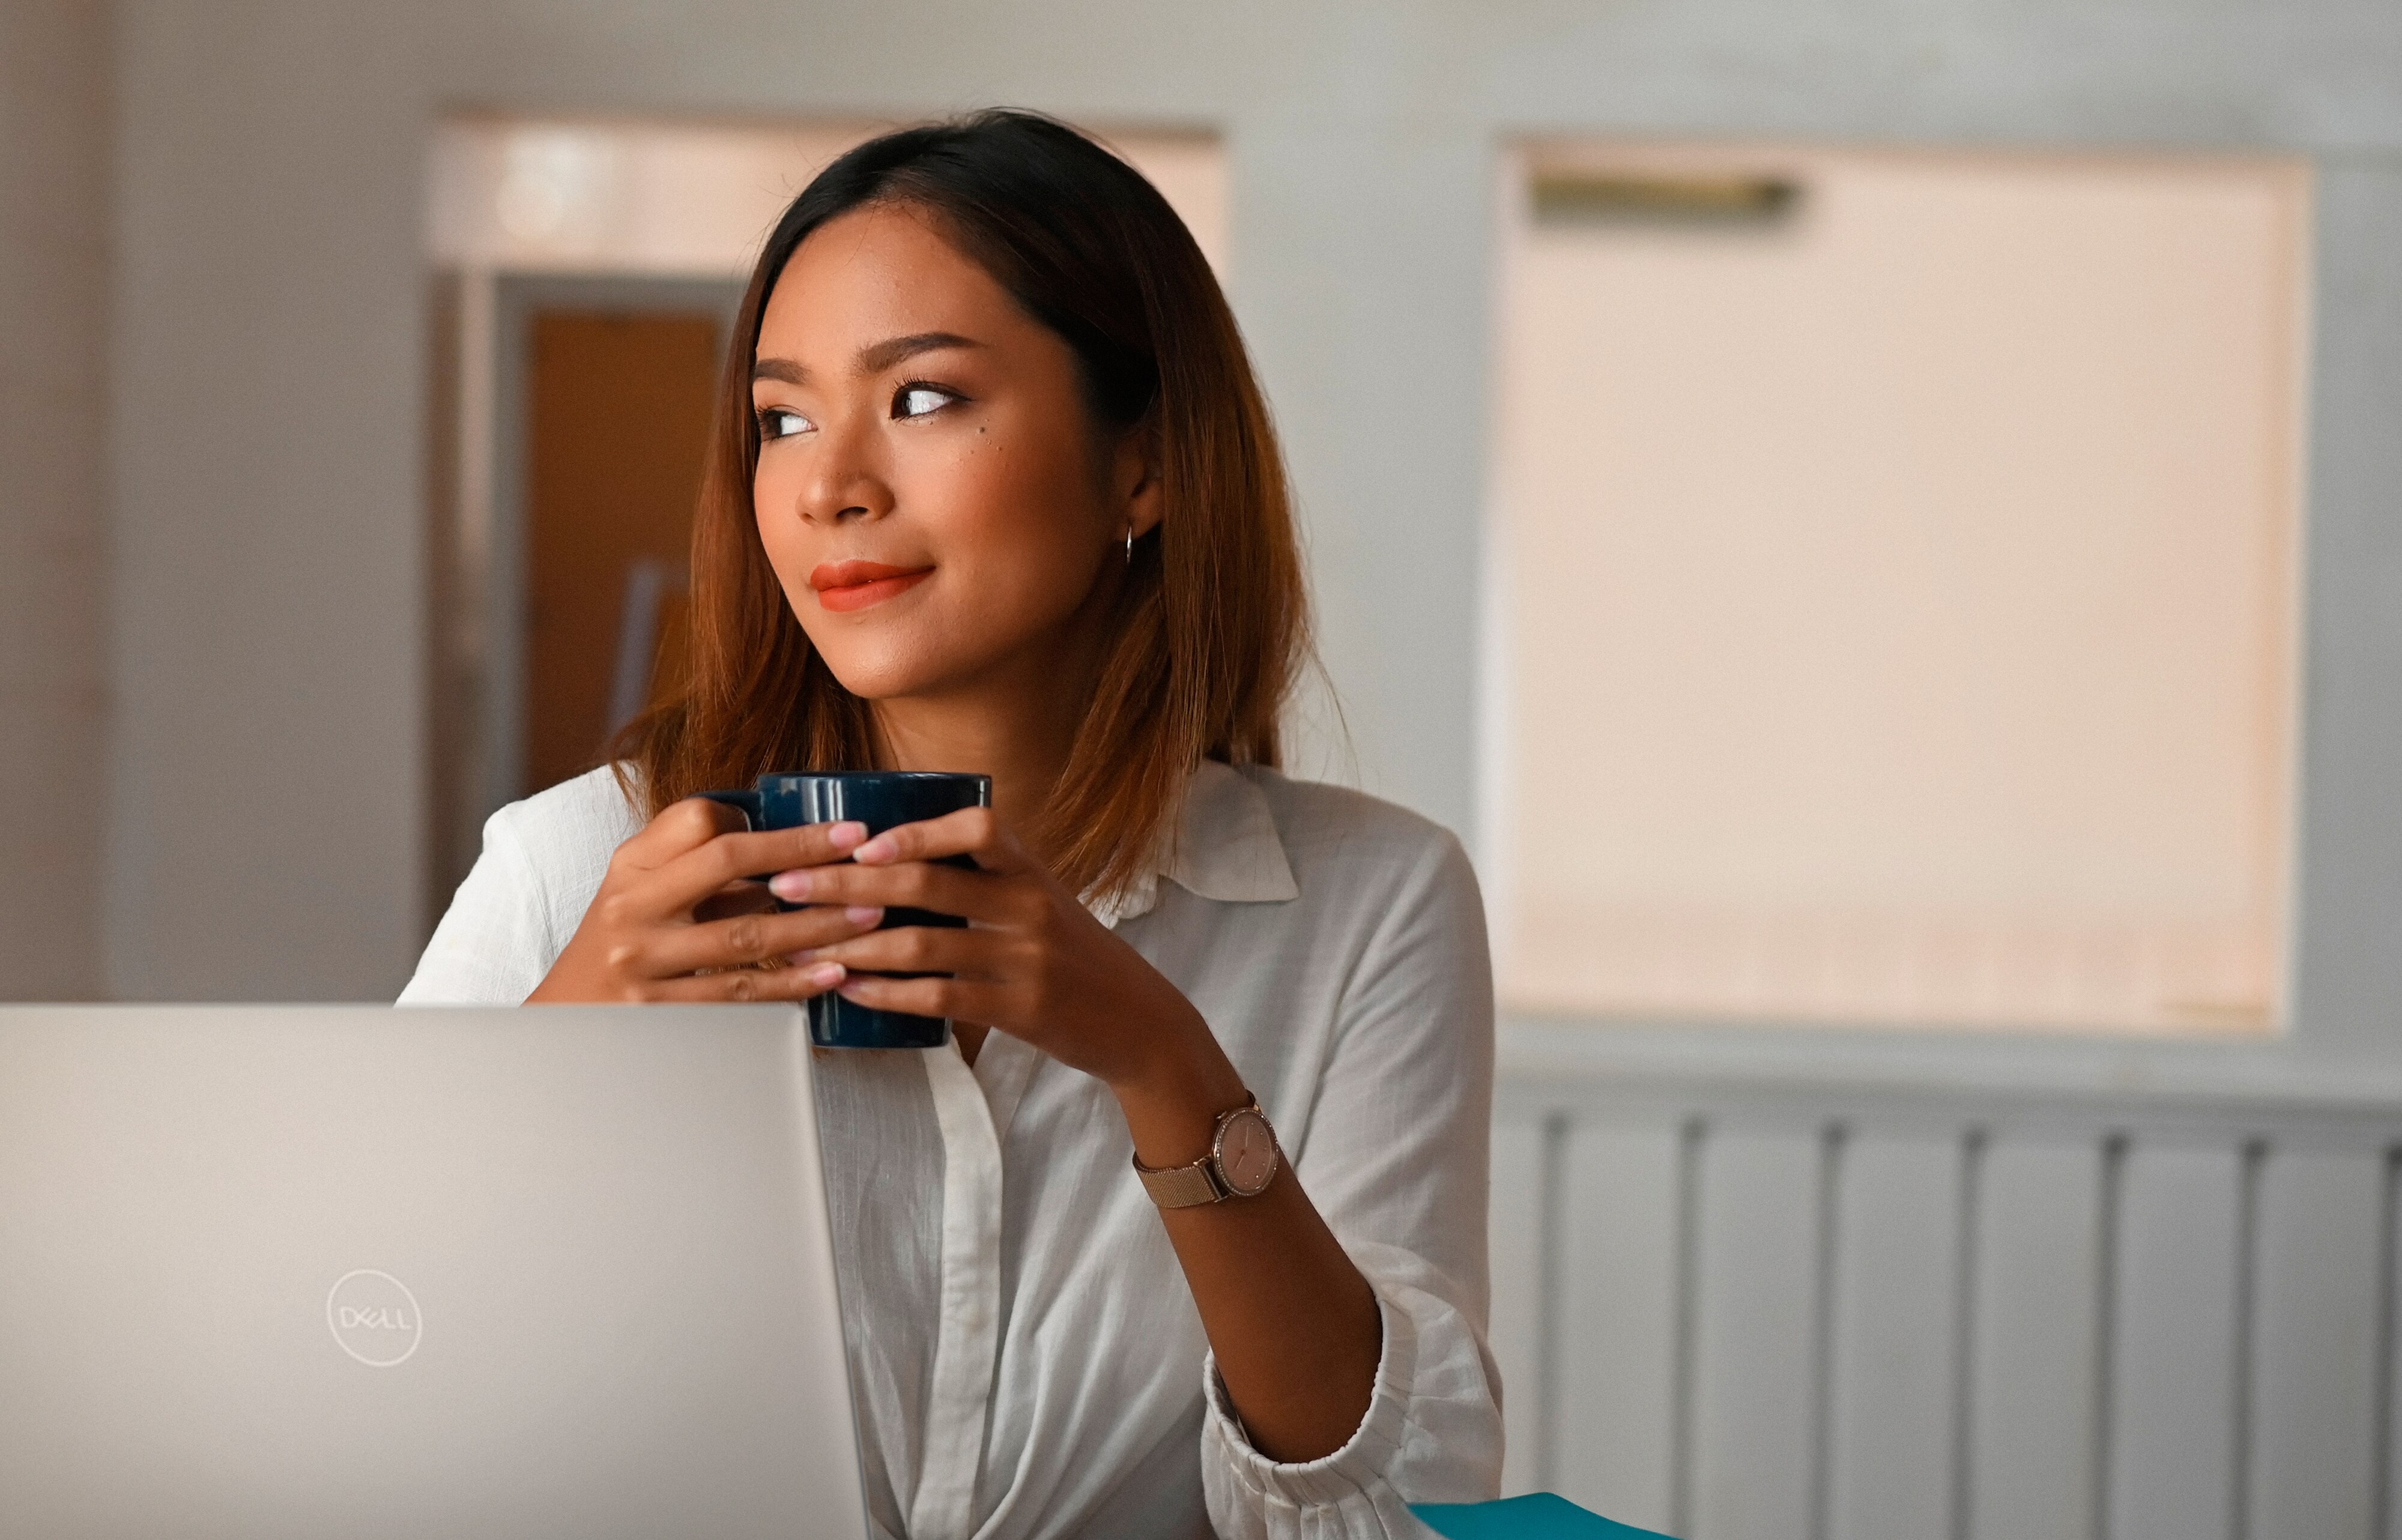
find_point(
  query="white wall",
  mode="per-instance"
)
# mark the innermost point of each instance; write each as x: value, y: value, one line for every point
x: 270, y: 374
x: 53, y: 660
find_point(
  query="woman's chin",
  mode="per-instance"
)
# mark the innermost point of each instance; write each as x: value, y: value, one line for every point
x: 928, y: 662
x: 883, y: 678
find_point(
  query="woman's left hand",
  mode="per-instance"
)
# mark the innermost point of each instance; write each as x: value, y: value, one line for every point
x: 1032, y: 961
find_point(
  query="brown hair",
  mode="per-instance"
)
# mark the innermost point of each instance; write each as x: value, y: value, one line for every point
x: 1211, y: 624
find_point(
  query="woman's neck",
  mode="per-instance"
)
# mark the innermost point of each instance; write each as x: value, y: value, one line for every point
x: 1015, y: 740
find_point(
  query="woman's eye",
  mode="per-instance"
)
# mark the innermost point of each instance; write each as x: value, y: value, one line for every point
x: 775, y: 422
x: 917, y: 400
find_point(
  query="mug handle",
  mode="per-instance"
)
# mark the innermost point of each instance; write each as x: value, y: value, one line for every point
x: 748, y: 804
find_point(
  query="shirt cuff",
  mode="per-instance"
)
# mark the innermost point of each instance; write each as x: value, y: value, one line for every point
x: 1352, y: 1473
x: 1432, y: 1434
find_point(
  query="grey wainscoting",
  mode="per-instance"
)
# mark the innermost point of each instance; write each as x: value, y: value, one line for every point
x: 1764, y: 1286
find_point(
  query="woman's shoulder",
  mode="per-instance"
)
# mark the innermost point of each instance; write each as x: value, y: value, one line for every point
x: 1335, y: 832
x: 1389, y: 905
x: 544, y: 859
x: 563, y: 837
x: 573, y: 816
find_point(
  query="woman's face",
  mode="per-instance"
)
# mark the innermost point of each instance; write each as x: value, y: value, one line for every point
x: 929, y: 490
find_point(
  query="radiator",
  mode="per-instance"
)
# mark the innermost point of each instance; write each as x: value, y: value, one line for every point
x: 1763, y: 1287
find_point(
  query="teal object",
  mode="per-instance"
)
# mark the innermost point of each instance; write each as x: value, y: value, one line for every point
x: 1536, y: 1516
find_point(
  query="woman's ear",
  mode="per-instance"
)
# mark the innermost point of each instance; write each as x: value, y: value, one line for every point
x: 1135, y: 480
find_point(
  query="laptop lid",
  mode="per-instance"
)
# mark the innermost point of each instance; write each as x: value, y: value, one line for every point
x: 366, y: 1271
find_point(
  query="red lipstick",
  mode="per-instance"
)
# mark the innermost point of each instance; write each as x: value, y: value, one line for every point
x: 846, y: 586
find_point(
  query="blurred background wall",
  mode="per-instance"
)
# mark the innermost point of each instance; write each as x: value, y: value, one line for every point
x: 266, y: 457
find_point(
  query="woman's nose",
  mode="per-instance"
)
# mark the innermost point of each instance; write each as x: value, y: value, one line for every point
x: 845, y: 479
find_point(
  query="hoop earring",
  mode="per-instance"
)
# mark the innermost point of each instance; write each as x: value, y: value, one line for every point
x: 1130, y: 545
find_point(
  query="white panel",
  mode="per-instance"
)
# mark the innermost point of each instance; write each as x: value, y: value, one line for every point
x: 1516, y: 1233
x: 1918, y: 659
x: 2172, y: 1425
x: 2033, y: 1377
x: 2315, y: 1338
x: 1753, y: 1395
x: 1613, y: 1439
x: 1892, y: 1409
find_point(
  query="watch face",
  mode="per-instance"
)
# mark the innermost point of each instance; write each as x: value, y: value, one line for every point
x: 1247, y: 1153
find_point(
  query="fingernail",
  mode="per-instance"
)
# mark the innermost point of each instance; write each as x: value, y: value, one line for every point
x: 842, y: 836
x: 791, y: 887
x: 880, y: 848
x: 863, y: 914
x: 826, y: 975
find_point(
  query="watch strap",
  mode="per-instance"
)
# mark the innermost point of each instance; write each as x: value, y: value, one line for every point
x: 1182, y: 1186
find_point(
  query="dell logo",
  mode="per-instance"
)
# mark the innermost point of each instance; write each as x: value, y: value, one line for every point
x: 374, y: 1318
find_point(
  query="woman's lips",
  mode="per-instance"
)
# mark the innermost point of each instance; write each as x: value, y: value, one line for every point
x: 844, y: 585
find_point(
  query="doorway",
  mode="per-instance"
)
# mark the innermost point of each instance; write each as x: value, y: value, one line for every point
x: 605, y: 392
x: 564, y: 592
x: 617, y: 416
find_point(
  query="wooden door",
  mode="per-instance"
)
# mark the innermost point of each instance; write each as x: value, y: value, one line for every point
x: 619, y: 406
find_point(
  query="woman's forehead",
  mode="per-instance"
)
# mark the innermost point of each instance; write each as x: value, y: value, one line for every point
x: 883, y: 271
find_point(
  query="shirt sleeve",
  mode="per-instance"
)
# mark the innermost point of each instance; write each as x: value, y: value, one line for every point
x: 1396, y: 1158
x: 495, y: 941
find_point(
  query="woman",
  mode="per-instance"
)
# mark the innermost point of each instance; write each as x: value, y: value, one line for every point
x: 993, y: 490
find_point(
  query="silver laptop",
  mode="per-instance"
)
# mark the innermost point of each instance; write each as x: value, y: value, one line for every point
x: 354, y: 1270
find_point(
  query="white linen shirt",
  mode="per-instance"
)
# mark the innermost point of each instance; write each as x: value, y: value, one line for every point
x: 1026, y: 1357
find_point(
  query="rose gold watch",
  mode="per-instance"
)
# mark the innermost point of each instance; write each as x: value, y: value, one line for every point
x: 1242, y: 1161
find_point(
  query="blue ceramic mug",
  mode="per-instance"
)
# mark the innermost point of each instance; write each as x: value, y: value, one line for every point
x: 881, y: 800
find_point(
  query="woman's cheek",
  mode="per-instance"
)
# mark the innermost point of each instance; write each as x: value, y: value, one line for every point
x: 792, y: 572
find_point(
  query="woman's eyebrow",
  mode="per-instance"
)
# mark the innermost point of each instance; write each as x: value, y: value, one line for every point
x: 873, y: 359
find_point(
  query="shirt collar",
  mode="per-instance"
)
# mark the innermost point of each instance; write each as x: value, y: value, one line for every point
x: 1225, y: 849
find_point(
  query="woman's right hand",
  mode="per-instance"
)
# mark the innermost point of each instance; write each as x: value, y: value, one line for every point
x: 679, y: 919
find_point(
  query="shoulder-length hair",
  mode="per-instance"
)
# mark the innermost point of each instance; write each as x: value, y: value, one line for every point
x: 1211, y: 624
